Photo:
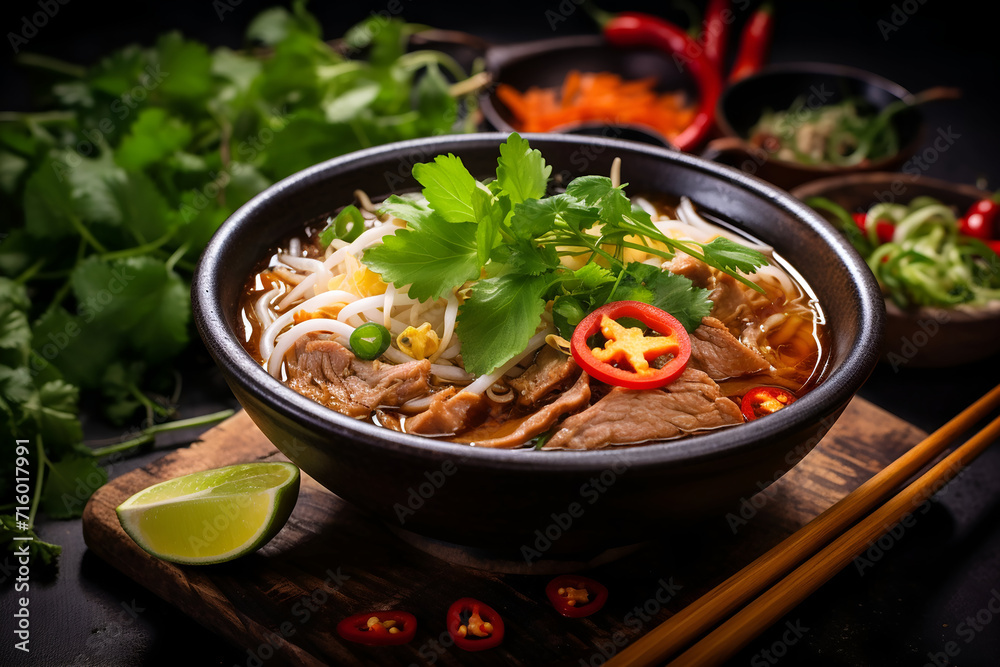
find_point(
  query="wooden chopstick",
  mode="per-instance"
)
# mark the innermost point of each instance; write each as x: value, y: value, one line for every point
x: 734, y: 634
x: 684, y: 627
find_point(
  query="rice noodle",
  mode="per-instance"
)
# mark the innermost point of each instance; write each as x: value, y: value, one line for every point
x: 450, y: 315
x: 387, y: 301
x: 260, y: 307
x: 299, y: 291
x: 295, y: 246
x: 293, y: 335
x: 355, y: 307
x: 318, y: 301
x: 301, y: 263
x: 366, y: 239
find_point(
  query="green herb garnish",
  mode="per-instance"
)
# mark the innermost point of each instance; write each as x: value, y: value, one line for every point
x: 507, y: 237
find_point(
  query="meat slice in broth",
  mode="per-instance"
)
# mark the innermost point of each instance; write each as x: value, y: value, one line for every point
x: 449, y: 413
x: 328, y: 372
x: 733, y: 300
x: 719, y: 354
x: 575, y: 398
x: 691, y: 403
x: 551, y: 370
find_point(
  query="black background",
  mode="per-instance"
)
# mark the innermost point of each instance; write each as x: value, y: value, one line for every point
x: 904, y: 608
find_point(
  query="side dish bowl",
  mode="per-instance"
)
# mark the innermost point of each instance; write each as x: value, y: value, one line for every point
x: 558, y: 502
x: 776, y: 88
x: 923, y: 337
x: 545, y: 64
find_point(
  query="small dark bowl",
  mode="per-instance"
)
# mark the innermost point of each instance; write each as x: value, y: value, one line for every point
x: 922, y: 337
x: 777, y: 87
x: 557, y: 502
x: 545, y: 64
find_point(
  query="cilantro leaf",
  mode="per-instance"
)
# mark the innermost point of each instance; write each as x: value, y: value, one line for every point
x: 183, y: 69
x: 497, y: 320
x: 54, y: 409
x: 527, y: 258
x: 448, y: 187
x: 673, y: 293
x: 48, y: 205
x: 432, y: 257
x: 15, y: 334
x: 490, y: 213
x: 436, y: 106
x: 590, y: 189
x: 727, y: 255
x: 534, y: 217
x: 521, y: 170
x: 153, y: 136
x: 139, y: 298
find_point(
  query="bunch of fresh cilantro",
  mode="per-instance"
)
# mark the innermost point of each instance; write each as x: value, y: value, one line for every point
x: 112, y: 192
x: 508, y: 237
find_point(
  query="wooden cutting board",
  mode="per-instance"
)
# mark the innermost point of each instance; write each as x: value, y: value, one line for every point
x: 282, y: 603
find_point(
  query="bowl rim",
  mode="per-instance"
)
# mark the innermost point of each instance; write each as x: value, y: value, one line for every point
x: 809, y: 411
x: 820, y: 67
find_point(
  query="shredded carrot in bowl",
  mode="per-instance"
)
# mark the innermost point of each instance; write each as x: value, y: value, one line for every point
x: 598, y: 97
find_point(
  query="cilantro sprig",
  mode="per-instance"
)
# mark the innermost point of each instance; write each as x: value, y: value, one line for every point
x: 509, y: 238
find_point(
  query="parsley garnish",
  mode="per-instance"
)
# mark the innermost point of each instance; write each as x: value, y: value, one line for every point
x: 509, y: 234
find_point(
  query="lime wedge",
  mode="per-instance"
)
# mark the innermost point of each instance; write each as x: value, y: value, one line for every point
x: 212, y: 516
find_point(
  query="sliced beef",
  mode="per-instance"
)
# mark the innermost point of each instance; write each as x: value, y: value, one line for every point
x: 449, y: 413
x: 719, y: 354
x: 329, y: 373
x: 691, y: 403
x: 575, y: 398
x: 732, y: 298
x: 551, y: 370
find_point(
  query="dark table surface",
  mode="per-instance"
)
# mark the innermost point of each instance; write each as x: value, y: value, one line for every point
x: 935, y: 591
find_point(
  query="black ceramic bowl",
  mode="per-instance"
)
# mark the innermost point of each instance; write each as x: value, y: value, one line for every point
x: 777, y: 87
x: 501, y: 499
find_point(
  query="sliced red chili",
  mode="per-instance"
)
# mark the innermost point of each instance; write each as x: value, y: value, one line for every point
x: 574, y: 596
x: 624, y: 360
x: 379, y: 628
x: 761, y: 401
x: 474, y: 625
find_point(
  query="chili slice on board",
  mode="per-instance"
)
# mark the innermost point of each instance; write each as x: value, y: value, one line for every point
x: 761, y: 401
x: 379, y: 628
x: 474, y: 625
x: 574, y: 596
x: 630, y: 347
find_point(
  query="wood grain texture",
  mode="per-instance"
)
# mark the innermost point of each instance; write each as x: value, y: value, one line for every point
x: 330, y: 560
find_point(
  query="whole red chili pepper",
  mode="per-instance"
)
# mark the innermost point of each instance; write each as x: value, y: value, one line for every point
x: 982, y: 220
x: 755, y: 42
x: 638, y: 29
x: 718, y: 15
